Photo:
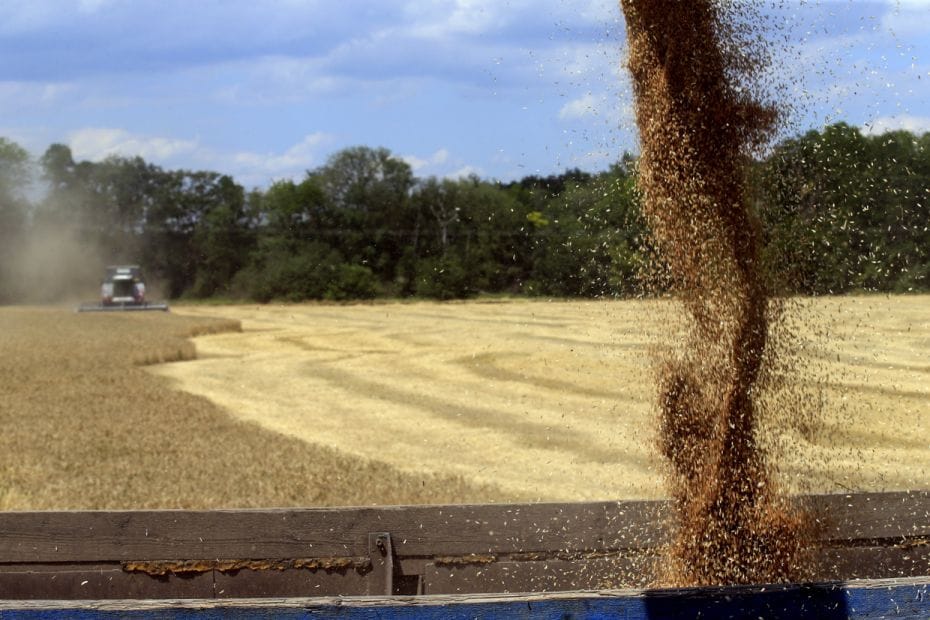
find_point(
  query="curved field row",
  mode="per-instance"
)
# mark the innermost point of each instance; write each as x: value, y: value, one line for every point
x: 420, y: 403
x: 85, y: 426
x: 552, y: 400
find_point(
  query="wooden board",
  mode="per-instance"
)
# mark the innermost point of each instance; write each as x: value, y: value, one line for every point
x: 433, y: 549
x: 419, y: 530
x: 875, y: 599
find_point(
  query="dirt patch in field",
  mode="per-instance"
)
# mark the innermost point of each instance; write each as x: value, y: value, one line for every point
x: 85, y: 426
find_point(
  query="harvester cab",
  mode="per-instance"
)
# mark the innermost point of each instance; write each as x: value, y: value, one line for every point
x: 123, y: 285
x: 123, y: 288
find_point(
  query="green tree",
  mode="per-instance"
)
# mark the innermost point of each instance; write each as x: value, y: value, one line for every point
x: 120, y: 194
x: 296, y: 256
x: 64, y: 202
x: 298, y: 211
x: 589, y: 239
x: 222, y: 238
x: 368, y: 191
x: 106, y: 205
x: 441, y: 203
x: 496, y: 238
x: 196, y: 231
x: 14, y: 179
x: 815, y: 192
x: 843, y: 211
x: 899, y: 243
x: 473, y: 237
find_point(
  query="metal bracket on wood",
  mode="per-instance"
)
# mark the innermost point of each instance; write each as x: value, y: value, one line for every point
x: 381, y: 552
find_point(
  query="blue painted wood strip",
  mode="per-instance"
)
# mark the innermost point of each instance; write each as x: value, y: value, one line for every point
x: 875, y: 599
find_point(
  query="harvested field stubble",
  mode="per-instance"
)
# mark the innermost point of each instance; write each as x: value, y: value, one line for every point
x: 417, y: 403
x: 553, y: 400
x: 85, y: 427
x: 541, y: 400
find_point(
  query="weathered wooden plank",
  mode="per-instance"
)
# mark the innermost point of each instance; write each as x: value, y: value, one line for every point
x: 160, y: 553
x: 137, y: 535
x: 288, y: 583
x: 871, y: 562
x: 97, y: 582
x: 875, y: 599
x: 418, y: 530
x: 539, y: 576
x: 460, y: 575
x: 872, y: 515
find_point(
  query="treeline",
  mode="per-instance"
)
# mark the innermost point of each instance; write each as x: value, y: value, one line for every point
x: 840, y: 212
x: 846, y: 212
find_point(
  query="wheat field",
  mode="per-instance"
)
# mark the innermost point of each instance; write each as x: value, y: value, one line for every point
x: 544, y: 401
x: 553, y: 400
x: 517, y: 400
x: 85, y: 426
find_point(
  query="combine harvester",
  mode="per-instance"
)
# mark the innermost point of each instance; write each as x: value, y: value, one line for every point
x: 563, y: 560
x: 122, y: 289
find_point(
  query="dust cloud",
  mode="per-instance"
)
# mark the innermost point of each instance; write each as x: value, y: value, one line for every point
x: 52, y: 264
x: 58, y: 251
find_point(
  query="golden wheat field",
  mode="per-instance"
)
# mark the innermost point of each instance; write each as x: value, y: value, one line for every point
x: 421, y: 402
x: 85, y: 426
x: 552, y: 400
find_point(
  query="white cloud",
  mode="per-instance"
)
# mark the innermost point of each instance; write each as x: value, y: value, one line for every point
x: 910, y: 4
x: 597, y: 60
x: 97, y: 143
x: 441, y: 164
x: 250, y: 168
x: 613, y: 108
x: 23, y: 16
x: 908, y: 18
x: 585, y: 105
x: 595, y: 159
x: 443, y: 19
x: 293, y: 162
x: 417, y: 163
x: 16, y: 95
x: 438, y: 19
x: 464, y: 172
x: 915, y: 124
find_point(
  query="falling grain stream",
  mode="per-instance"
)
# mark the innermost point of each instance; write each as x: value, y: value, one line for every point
x: 700, y: 119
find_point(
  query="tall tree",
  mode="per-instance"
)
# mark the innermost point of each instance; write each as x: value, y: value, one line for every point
x: 222, y: 238
x: 369, y: 191
x: 589, y: 239
x: 65, y: 200
x: 14, y: 179
x: 441, y: 202
x: 191, y: 230
x: 843, y: 211
x: 297, y: 211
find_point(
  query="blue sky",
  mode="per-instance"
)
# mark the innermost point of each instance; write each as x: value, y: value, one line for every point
x: 265, y: 89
